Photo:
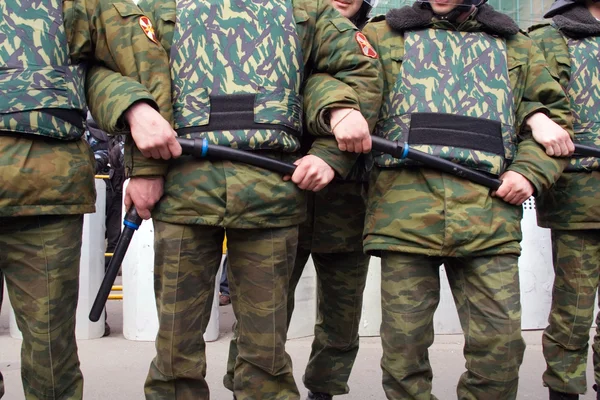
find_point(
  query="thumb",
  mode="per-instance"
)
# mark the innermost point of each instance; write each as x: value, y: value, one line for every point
x: 128, y: 202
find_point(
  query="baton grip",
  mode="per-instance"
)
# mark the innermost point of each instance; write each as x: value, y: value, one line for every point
x: 200, y: 148
x: 131, y: 223
x: 586, y: 151
x: 397, y: 150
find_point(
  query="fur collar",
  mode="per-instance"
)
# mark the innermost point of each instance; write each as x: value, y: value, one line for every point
x: 577, y: 22
x: 418, y: 16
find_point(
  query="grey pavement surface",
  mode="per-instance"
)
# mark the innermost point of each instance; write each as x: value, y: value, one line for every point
x: 115, y: 368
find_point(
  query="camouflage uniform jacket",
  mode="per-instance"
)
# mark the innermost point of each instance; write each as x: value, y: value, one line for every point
x: 235, y: 195
x: 572, y: 202
x: 424, y: 211
x: 47, y: 176
x: 338, y: 211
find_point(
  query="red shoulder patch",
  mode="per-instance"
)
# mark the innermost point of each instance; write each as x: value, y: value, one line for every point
x: 365, y: 46
x: 148, y: 29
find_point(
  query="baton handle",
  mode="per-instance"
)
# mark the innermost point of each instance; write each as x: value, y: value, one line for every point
x: 398, y: 150
x: 586, y: 151
x: 200, y: 148
x: 131, y: 223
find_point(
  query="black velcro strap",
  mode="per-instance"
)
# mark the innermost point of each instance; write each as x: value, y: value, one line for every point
x: 234, y: 112
x: 456, y: 131
x: 74, y: 117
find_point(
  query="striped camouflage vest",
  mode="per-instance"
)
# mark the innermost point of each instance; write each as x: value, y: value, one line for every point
x: 236, y: 73
x: 36, y: 73
x: 452, y: 98
x: 584, y: 94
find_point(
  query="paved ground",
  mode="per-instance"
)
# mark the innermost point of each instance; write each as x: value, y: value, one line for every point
x: 115, y: 368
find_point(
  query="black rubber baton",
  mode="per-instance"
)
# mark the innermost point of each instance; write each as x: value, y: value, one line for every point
x: 199, y: 148
x: 586, y: 151
x: 398, y: 150
x: 131, y: 224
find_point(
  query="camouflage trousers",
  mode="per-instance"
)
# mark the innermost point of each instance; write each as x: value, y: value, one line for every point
x: 339, y: 305
x: 40, y: 261
x: 486, y: 293
x: 341, y: 279
x: 186, y: 263
x: 565, y: 341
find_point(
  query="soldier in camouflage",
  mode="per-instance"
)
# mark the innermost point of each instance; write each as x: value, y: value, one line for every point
x: 237, y: 75
x: 47, y: 172
x: 332, y: 235
x: 463, y: 83
x: 571, y: 45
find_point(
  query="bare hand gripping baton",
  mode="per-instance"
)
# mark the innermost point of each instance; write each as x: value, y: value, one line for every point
x: 200, y: 148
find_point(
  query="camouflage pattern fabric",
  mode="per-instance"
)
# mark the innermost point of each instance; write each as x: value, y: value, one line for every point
x: 45, y: 176
x: 572, y: 203
x: 40, y: 260
x: 341, y: 282
x: 418, y: 218
x: 46, y: 184
x: 424, y: 211
x: 35, y: 82
x: 332, y: 233
x: 486, y: 292
x: 328, y: 45
x: 56, y: 177
x: 260, y: 264
x: 565, y: 340
x: 583, y: 91
x: 571, y: 209
x: 238, y: 62
x: 463, y: 87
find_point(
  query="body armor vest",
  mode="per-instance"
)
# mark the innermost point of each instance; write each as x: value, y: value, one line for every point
x: 36, y: 74
x: 584, y: 95
x: 237, y: 72
x: 452, y: 98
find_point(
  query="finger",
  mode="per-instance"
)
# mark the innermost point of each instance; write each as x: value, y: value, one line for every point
x: 521, y: 199
x: 350, y: 147
x: 287, y: 177
x: 155, y: 154
x: 571, y: 147
x: 298, y: 175
x: 311, y: 178
x: 165, y: 153
x: 128, y: 201
x: 502, y: 190
x: 342, y: 146
x: 510, y: 197
x: 143, y: 212
x: 145, y: 153
x: 550, y: 150
x: 557, y: 150
x: 174, y: 147
x: 564, y: 148
x: 320, y: 186
x: 366, y: 144
x: 358, y: 147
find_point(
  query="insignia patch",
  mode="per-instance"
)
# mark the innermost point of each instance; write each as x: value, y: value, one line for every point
x: 148, y: 29
x: 365, y: 46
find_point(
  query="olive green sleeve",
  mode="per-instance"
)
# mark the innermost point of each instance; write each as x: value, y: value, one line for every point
x: 127, y: 65
x: 541, y: 93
